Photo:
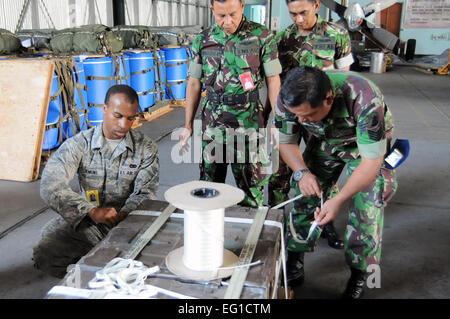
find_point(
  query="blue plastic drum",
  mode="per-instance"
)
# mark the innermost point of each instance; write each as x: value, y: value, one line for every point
x: 124, y: 70
x: 51, y: 136
x: 97, y: 87
x: 144, y: 81
x: 100, y: 76
x: 160, y: 95
x: 176, y: 71
x: 72, y: 127
x: 80, y: 78
x: 80, y: 94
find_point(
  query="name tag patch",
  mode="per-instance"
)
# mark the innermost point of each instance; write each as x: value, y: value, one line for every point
x: 247, y: 82
x: 324, y: 44
x: 212, y: 53
x: 247, y: 47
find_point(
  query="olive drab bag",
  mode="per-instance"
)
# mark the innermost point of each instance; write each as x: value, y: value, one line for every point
x: 136, y: 37
x: 9, y: 42
x: 169, y: 35
x: 39, y: 39
x: 95, y: 38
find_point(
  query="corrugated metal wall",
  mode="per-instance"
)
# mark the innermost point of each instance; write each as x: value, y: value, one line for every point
x: 60, y: 14
x: 167, y: 13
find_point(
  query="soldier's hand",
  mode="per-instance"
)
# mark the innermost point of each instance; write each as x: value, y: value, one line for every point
x: 106, y: 215
x: 273, y: 131
x: 329, y: 211
x: 184, y: 138
x: 309, y: 185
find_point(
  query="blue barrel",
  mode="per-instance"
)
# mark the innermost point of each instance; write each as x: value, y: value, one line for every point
x: 80, y: 94
x: 80, y: 78
x: 100, y: 76
x: 176, y: 71
x: 124, y: 70
x: 160, y: 95
x: 51, y: 136
x: 97, y: 88
x: 144, y: 81
x: 72, y: 127
x: 190, y: 54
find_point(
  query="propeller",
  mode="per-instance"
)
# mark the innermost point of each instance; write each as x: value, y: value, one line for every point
x: 354, y: 17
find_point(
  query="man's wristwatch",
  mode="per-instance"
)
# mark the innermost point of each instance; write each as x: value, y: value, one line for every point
x: 297, y: 176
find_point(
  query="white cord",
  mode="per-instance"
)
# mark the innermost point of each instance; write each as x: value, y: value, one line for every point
x: 241, y: 221
x: 203, y: 239
x: 287, y: 202
x: 126, y: 277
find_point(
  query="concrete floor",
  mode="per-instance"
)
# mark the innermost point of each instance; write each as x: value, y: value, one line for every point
x: 416, y: 243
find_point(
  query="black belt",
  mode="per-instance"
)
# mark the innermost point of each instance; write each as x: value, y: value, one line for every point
x: 216, y: 99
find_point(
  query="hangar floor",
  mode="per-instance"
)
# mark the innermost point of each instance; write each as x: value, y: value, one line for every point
x: 416, y: 239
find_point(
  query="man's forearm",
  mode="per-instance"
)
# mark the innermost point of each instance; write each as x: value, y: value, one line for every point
x: 273, y: 89
x: 193, y: 92
x: 362, y: 176
x: 292, y: 156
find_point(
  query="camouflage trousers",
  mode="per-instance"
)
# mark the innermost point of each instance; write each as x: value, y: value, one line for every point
x: 248, y: 174
x: 61, y: 245
x: 279, y: 182
x: 363, y: 235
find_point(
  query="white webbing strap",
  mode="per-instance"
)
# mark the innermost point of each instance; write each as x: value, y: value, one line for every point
x: 145, y: 238
x: 237, y: 280
x: 239, y: 220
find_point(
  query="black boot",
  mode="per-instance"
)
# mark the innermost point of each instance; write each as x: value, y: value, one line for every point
x: 295, y: 269
x: 333, y: 239
x: 355, y: 285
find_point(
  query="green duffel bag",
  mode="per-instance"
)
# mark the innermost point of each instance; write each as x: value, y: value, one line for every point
x: 39, y: 39
x: 94, y: 38
x: 62, y: 41
x: 136, y: 37
x: 9, y: 42
x: 168, y: 35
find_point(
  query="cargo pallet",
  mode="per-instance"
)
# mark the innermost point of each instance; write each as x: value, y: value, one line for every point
x: 263, y: 281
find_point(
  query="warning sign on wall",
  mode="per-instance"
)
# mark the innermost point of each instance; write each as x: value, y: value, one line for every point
x: 427, y: 14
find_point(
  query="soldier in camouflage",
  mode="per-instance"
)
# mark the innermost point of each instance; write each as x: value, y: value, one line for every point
x: 349, y: 124
x: 231, y: 59
x: 117, y: 169
x: 314, y: 42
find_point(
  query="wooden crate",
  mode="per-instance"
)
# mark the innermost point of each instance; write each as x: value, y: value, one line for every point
x: 263, y: 280
x: 25, y: 92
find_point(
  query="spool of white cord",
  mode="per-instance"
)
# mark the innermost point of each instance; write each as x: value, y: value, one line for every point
x: 203, y: 239
x: 203, y: 256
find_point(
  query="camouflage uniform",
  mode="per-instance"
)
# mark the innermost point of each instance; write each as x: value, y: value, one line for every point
x: 219, y: 60
x: 359, y: 124
x: 327, y: 47
x: 122, y: 179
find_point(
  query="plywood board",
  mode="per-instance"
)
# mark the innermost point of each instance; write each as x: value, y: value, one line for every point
x: 24, y: 96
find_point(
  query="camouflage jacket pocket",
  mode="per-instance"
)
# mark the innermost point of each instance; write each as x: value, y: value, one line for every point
x: 324, y: 47
x: 211, y: 63
x: 248, y: 55
x: 343, y: 129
